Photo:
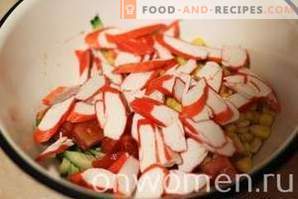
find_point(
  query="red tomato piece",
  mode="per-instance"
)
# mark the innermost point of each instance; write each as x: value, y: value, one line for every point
x: 107, y: 160
x: 219, y: 165
x: 87, y: 134
x: 108, y: 145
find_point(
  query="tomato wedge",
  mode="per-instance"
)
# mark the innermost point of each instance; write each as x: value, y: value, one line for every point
x: 107, y: 160
x: 139, y: 32
x: 87, y: 134
x: 145, y: 66
x: 108, y: 145
x: 219, y: 165
x: 125, y: 144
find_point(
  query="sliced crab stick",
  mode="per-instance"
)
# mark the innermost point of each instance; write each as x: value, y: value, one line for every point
x: 182, y: 48
x: 195, y: 99
x: 52, y: 120
x: 135, y: 33
x: 115, y: 115
x: 61, y: 145
x: 91, y: 87
x: 213, y: 74
x: 81, y: 112
x: 174, y: 136
x: 193, y: 156
x: 155, y: 176
x: 145, y: 66
x: 126, y: 177
x: 234, y: 57
x: 147, y: 145
x: 154, y: 111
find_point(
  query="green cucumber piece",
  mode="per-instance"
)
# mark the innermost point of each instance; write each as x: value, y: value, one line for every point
x: 80, y: 160
x: 64, y: 166
x: 73, y: 169
x: 96, y: 152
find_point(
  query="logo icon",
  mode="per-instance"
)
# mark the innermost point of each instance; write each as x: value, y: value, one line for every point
x: 128, y: 9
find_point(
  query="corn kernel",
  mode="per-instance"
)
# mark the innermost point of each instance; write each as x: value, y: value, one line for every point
x: 242, y: 130
x: 244, y: 164
x: 246, y: 137
x: 231, y: 128
x: 243, y: 123
x: 173, y: 104
x: 262, y: 132
x: 110, y: 56
x: 266, y: 119
x: 238, y: 144
x: 181, y: 61
x: 247, y: 148
x: 199, y: 41
x: 255, y: 145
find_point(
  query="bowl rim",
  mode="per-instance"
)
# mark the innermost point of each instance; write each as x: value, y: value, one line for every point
x: 68, y: 189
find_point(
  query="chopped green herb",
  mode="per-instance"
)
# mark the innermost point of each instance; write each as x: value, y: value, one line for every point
x: 96, y: 23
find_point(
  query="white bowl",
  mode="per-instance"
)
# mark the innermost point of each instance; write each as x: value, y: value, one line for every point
x: 37, y: 43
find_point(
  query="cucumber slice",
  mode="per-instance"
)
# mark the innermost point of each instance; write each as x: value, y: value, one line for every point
x: 80, y: 160
x: 73, y: 169
x: 96, y: 152
x: 64, y: 166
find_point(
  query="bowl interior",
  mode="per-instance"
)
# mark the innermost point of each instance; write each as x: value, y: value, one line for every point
x: 37, y: 45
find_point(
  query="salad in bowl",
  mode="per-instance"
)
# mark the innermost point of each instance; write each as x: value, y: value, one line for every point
x: 151, y: 107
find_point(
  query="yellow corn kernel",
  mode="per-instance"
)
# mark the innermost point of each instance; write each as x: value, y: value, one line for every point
x: 225, y: 92
x: 266, y: 119
x: 196, y: 73
x: 181, y: 61
x: 238, y: 144
x: 242, y: 130
x: 199, y: 41
x: 255, y: 145
x: 247, y: 148
x: 173, y: 104
x: 244, y: 164
x: 226, y: 72
x: 243, y: 123
x: 231, y: 128
x: 110, y: 56
x: 246, y: 137
x: 262, y: 132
